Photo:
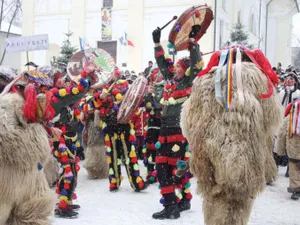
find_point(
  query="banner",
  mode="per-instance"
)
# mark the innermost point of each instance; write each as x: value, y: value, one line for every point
x: 106, y: 24
x: 27, y: 43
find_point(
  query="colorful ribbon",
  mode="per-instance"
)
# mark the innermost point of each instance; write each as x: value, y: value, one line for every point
x: 229, y: 80
x: 238, y: 71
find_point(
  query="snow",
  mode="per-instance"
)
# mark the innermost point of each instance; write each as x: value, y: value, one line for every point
x: 125, y: 207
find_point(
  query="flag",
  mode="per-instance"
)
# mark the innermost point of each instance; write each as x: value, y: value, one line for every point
x: 83, y: 44
x: 122, y: 41
x: 128, y: 41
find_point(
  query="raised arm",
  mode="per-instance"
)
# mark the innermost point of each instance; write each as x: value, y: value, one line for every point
x: 159, y: 55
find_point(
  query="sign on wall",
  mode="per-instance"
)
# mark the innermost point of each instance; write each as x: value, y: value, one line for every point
x: 106, y: 24
x: 107, y: 3
x: 27, y: 43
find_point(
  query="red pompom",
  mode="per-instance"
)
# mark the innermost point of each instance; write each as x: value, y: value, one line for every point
x: 108, y: 144
x: 64, y: 159
x: 74, y: 197
x: 77, y: 167
x: 68, y: 169
x: 97, y: 95
x: 63, y: 205
x: 189, y: 196
x: 57, y: 191
x: 67, y: 186
x: 115, y: 91
x: 76, y: 112
x: 83, y: 74
x: 141, y: 184
x: 173, y: 172
x: 68, y: 90
x: 134, y: 160
x: 168, y: 86
x: 80, y: 88
x: 62, y: 140
x: 131, y: 138
x: 64, y: 129
x: 112, y: 186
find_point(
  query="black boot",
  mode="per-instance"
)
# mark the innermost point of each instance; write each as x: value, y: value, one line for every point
x: 169, y: 212
x: 67, y: 213
x: 295, y: 195
x: 146, y: 184
x: 184, y: 205
x: 75, y: 207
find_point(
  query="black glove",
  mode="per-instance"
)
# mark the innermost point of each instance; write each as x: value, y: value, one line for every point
x: 156, y: 36
x: 195, y: 30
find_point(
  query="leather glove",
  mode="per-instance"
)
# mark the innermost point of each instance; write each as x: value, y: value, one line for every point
x: 195, y: 30
x: 156, y: 36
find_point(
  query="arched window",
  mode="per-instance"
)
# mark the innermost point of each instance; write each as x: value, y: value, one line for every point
x: 252, y: 24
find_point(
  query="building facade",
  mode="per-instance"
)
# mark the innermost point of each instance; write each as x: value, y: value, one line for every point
x: 11, y: 59
x: 269, y: 23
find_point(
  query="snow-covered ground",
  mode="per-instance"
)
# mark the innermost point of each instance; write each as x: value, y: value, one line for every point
x: 125, y: 207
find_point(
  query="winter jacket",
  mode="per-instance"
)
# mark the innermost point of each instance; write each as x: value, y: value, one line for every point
x: 139, y: 120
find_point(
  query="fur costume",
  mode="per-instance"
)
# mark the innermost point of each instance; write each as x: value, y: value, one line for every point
x: 230, y: 148
x: 24, y: 148
x: 290, y: 145
x: 51, y: 170
x: 95, y: 161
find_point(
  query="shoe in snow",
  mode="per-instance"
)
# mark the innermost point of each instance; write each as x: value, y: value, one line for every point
x: 67, y: 213
x: 169, y: 212
x: 75, y: 207
x: 184, y: 205
x: 146, y: 184
x: 295, y: 196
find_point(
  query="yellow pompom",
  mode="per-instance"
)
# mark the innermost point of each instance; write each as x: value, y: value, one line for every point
x: 115, y: 136
x: 75, y: 91
x: 56, y: 153
x: 119, y: 97
x: 114, y: 180
x: 106, y: 137
x: 138, y: 180
x: 148, y: 105
x: 62, y: 92
x: 187, y: 155
x: 104, y: 125
x: 188, y: 190
x: 121, y: 81
x: 108, y: 160
x: 132, y: 148
x: 105, y: 90
x: 101, y: 124
x: 131, y: 125
x: 63, y: 198
x: 130, y: 179
x: 64, y: 153
x: 188, y: 72
x: 122, y: 136
x: 77, y: 144
x: 96, y: 104
x: 132, y: 154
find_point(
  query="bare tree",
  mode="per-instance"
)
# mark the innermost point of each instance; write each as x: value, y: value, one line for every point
x: 16, y: 7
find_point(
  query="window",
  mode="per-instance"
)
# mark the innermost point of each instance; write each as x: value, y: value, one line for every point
x: 252, y: 24
x: 221, y: 34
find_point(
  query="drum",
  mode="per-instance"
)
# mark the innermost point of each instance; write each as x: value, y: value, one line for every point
x: 132, y: 99
x: 197, y: 15
x: 104, y: 63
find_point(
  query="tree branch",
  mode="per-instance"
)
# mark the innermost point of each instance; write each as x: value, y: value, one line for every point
x: 1, y: 13
x: 8, y: 31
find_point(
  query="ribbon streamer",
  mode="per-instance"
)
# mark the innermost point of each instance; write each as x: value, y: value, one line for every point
x: 238, y: 70
x: 229, y: 80
x: 218, y: 90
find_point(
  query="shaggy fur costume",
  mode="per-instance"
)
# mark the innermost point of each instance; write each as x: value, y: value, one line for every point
x: 25, y: 197
x: 290, y: 146
x: 51, y: 170
x: 230, y: 149
x: 95, y: 158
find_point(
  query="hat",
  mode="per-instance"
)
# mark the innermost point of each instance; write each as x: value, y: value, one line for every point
x: 185, y: 63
